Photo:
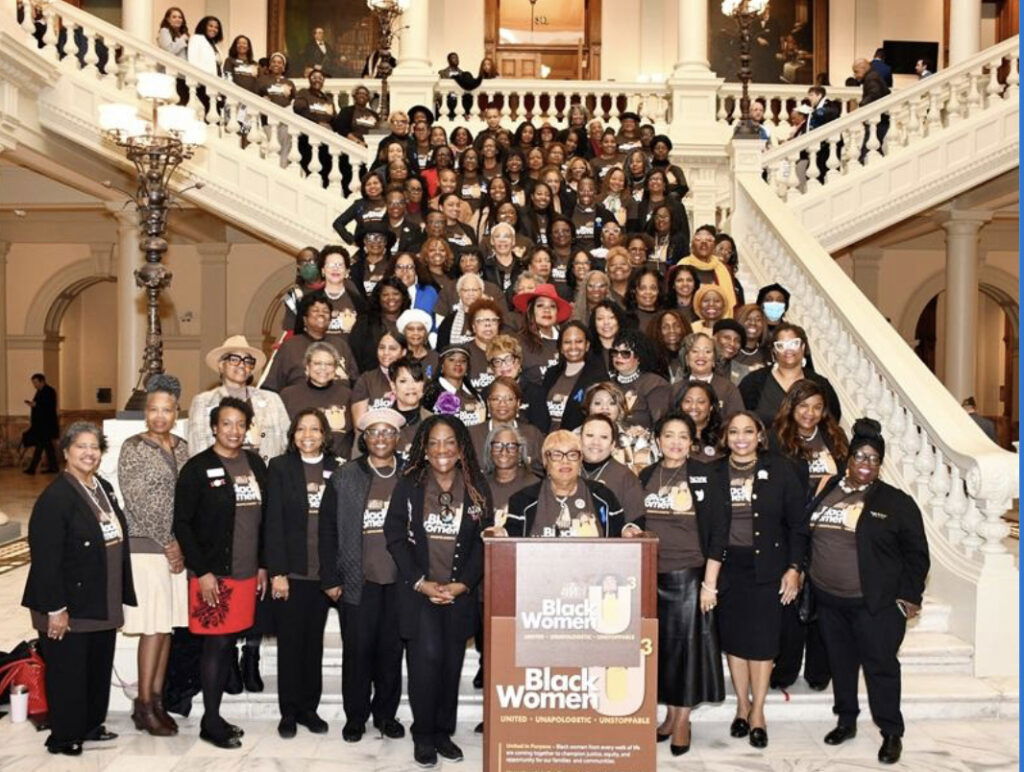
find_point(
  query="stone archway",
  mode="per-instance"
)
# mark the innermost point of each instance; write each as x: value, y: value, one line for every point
x: 265, y: 307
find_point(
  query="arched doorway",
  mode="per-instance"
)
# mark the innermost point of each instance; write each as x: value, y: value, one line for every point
x: 997, y: 354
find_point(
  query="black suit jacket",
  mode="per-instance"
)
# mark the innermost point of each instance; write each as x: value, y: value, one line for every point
x: 43, y: 416
x: 522, y: 509
x: 873, y: 88
x: 780, y: 520
x: 70, y: 565
x: 286, y: 519
x: 712, y: 523
x: 593, y: 372
x: 407, y: 543
x: 204, y: 513
x: 892, y: 549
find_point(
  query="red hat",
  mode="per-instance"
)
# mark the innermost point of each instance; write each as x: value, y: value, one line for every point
x: 523, y: 299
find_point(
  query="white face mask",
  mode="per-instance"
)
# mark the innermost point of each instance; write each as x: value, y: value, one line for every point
x: 773, y: 309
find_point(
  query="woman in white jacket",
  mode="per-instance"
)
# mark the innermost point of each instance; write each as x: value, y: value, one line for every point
x: 203, y: 53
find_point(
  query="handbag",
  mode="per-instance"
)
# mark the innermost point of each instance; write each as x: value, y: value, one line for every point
x: 807, y: 609
x: 29, y: 671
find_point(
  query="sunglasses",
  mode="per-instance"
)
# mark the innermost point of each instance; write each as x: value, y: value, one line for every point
x: 623, y: 353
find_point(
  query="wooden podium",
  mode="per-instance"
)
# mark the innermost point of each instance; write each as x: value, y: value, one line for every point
x: 570, y: 654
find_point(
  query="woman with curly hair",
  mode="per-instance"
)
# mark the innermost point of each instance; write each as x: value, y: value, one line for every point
x: 437, y: 511
x: 700, y: 402
x: 640, y: 376
x: 634, y: 445
x: 667, y: 330
x: 389, y: 299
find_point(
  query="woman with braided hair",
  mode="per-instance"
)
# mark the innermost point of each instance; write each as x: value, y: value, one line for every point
x: 433, y: 526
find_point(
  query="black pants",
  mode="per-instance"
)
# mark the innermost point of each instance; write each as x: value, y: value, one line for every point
x: 435, y: 665
x: 78, y: 670
x: 306, y: 155
x: 300, y: 623
x: 44, y: 446
x: 856, y: 638
x: 796, y: 638
x: 371, y: 655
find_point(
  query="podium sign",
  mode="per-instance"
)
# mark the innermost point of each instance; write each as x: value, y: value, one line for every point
x: 570, y: 666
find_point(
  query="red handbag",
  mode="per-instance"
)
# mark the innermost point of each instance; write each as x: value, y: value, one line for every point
x: 30, y: 672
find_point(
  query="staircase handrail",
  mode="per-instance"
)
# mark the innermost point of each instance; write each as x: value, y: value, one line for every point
x: 133, y: 46
x: 872, y: 113
x: 963, y: 481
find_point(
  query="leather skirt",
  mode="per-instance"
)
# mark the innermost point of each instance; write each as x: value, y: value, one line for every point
x: 689, y: 658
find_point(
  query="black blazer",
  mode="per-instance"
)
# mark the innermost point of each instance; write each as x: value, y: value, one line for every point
x: 522, y: 509
x: 407, y: 543
x: 712, y: 522
x: 204, y: 513
x: 70, y: 566
x: 286, y: 517
x: 753, y: 384
x: 593, y: 372
x: 780, y: 520
x: 801, y: 465
x: 892, y: 549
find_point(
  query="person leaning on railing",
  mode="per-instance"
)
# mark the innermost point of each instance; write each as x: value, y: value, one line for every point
x: 316, y: 105
x: 173, y: 38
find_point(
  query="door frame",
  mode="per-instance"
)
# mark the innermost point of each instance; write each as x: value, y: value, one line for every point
x: 591, y: 54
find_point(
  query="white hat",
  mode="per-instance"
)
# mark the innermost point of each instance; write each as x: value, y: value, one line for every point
x: 383, y: 415
x: 414, y: 316
x: 231, y: 345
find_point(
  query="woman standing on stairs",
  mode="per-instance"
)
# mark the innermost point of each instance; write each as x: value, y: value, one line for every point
x: 147, y: 471
x: 298, y: 490
x: 867, y: 577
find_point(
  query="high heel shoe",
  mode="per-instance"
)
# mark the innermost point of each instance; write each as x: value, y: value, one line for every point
x: 679, y: 750
x: 662, y: 737
x: 739, y: 727
x: 759, y: 737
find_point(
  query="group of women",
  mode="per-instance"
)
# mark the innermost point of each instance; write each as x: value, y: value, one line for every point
x: 507, y: 351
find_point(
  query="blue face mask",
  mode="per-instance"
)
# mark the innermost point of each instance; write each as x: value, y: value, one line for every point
x: 773, y: 309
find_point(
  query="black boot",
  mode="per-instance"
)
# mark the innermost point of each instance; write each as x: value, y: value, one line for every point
x: 233, y: 685
x: 251, y: 668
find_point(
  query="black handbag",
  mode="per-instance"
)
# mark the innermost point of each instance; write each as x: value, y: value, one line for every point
x: 807, y: 609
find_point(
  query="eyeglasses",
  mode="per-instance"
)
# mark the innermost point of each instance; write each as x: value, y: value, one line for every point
x: 623, y: 353
x: 504, y: 399
x: 405, y: 268
x: 375, y: 237
x: 334, y: 266
x: 486, y: 320
x: 323, y: 365
x: 381, y: 433
x: 788, y: 345
x: 505, y: 447
x: 239, y: 359
x: 561, y: 455
x: 867, y: 458
x: 504, y: 361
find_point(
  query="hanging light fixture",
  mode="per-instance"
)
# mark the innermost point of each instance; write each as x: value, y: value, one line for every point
x: 745, y: 12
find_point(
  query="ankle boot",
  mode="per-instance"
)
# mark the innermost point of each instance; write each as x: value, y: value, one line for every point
x: 251, y: 669
x: 233, y: 685
x: 146, y: 720
x: 163, y: 715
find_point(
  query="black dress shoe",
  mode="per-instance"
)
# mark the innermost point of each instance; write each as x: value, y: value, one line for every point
x: 479, y: 728
x: 478, y: 679
x: 840, y: 734
x: 739, y: 727
x: 286, y: 727
x: 100, y: 735
x: 352, y: 732
x: 425, y: 755
x: 678, y: 750
x: 66, y: 749
x: 236, y: 731
x: 449, y: 750
x: 233, y: 685
x: 250, y: 667
x: 818, y: 686
x: 662, y: 737
x: 892, y: 748
x: 313, y: 723
x: 392, y: 729
x: 759, y: 737
x: 221, y: 739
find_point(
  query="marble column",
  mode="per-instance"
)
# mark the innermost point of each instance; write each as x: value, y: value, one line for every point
x: 413, y: 80
x: 964, y: 29
x: 694, y: 128
x: 692, y: 43
x: 961, y: 306
x: 867, y: 271
x: 137, y: 18
x: 213, y: 313
x: 131, y: 314
x: 5, y: 409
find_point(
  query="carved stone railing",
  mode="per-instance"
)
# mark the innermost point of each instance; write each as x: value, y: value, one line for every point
x: 962, y: 481
x: 549, y: 100
x: 779, y: 100
x: 897, y: 122
x: 251, y: 155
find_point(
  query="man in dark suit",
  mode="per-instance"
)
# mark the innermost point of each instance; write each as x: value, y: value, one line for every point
x: 318, y: 54
x: 44, y: 427
x: 873, y: 88
x: 879, y: 65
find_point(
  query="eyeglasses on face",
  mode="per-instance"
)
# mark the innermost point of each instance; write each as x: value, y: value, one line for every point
x: 505, y: 447
x: 239, y: 359
x: 788, y: 345
x: 867, y: 458
x: 486, y: 320
x: 381, y: 433
x: 561, y: 455
x: 503, y: 361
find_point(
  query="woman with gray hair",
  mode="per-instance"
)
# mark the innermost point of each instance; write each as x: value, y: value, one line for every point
x: 454, y: 329
x: 147, y: 471
x: 323, y: 389
x: 77, y: 588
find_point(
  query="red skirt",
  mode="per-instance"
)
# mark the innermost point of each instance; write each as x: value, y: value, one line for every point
x: 235, y: 610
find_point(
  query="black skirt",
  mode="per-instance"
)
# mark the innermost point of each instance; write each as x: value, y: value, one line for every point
x: 749, y: 614
x: 689, y: 659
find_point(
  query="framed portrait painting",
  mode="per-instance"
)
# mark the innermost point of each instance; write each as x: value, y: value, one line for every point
x: 338, y: 35
x: 789, y: 42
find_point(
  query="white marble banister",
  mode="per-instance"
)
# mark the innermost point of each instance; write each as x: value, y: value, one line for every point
x: 912, y: 114
x: 541, y: 100
x: 963, y: 482
x: 126, y: 55
x: 779, y: 99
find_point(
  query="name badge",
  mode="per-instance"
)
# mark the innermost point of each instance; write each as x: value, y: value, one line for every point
x: 216, y: 472
x: 327, y: 474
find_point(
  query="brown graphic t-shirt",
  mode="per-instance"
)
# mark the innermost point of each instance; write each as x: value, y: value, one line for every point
x: 668, y: 506
x: 834, y: 566
x: 442, y: 518
x: 741, y: 491
x: 378, y: 565
x: 316, y: 480
x: 248, y: 516
x: 821, y: 463
x: 574, y: 515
